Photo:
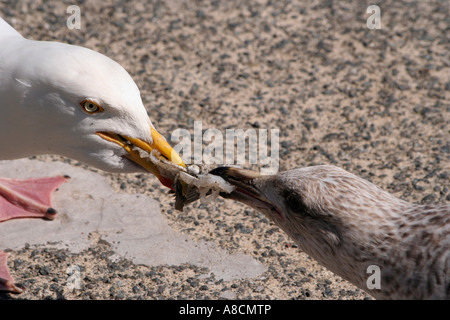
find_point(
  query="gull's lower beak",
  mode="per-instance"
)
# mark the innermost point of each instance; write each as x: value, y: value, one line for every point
x: 159, y: 143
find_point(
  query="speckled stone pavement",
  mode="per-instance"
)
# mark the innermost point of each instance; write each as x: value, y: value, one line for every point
x: 374, y: 102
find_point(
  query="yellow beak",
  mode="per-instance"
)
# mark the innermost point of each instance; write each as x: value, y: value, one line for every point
x: 159, y: 143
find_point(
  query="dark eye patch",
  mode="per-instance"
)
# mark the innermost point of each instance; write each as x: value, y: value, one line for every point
x: 295, y: 202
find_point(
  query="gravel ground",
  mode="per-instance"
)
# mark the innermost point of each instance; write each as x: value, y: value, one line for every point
x: 374, y: 102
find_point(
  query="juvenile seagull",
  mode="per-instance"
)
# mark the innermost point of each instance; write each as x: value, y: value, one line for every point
x: 348, y: 224
x: 68, y: 100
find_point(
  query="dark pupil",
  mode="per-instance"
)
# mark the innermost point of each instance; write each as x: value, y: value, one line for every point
x: 294, y: 203
x: 91, y: 106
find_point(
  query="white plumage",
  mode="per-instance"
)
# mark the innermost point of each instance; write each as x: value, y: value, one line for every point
x: 41, y: 86
x: 68, y: 100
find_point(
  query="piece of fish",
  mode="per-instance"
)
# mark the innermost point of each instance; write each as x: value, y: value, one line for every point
x: 191, y: 183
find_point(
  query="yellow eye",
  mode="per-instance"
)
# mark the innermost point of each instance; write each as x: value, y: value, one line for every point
x: 91, y: 107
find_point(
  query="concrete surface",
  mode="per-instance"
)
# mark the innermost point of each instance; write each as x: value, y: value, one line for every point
x: 132, y: 223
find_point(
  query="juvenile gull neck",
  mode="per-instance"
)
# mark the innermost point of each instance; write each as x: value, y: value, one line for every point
x: 348, y: 224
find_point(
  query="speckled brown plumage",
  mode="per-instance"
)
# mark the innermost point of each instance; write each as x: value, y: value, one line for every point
x: 347, y: 224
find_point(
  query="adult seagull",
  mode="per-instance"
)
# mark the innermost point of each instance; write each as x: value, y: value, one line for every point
x: 68, y: 100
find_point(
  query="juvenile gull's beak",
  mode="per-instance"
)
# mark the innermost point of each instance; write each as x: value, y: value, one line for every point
x: 240, y: 178
x: 246, y: 183
x: 159, y: 143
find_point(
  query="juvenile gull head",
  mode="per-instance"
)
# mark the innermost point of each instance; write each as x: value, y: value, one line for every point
x: 348, y: 224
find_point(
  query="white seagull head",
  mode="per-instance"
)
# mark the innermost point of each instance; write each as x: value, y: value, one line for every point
x: 78, y: 103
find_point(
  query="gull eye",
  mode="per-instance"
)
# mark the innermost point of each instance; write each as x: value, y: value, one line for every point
x: 295, y: 203
x: 91, y: 107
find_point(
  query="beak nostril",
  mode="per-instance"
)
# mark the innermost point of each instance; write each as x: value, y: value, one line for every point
x: 219, y: 171
x: 123, y: 139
